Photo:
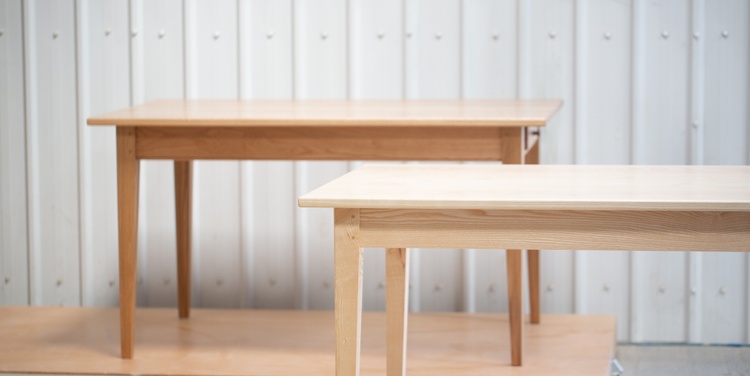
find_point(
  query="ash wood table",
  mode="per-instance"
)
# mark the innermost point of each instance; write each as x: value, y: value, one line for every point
x: 303, y: 130
x: 689, y: 208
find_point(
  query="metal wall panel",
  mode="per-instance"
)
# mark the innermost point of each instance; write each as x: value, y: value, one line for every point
x: 321, y: 72
x: 489, y: 69
x: 211, y: 36
x: 376, y: 60
x: 434, y: 41
x: 273, y: 277
x: 603, y: 135
x: 551, y: 41
x: 104, y: 75
x: 159, y: 73
x: 52, y: 150
x: 661, y: 126
x: 725, y: 133
x: 14, y: 249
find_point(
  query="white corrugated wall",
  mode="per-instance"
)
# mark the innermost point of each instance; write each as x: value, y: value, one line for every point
x: 644, y: 82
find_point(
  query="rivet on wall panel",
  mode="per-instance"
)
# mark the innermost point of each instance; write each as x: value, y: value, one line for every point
x: 217, y: 34
x: 437, y: 287
x: 381, y: 35
x: 693, y: 291
x: 139, y: 280
x: 695, y: 125
x: 55, y: 34
x: 551, y: 287
x: 409, y: 34
x: 725, y: 33
x: 438, y: 36
x: 272, y: 281
x: 607, y: 36
x: 605, y: 287
x: 59, y: 282
x: 269, y: 35
x: 325, y: 284
x: 696, y: 35
x: 495, y: 35
x: 381, y: 285
x: 7, y: 280
x: 219, y: 282
x: 111, y: 283
x: 2, y: 32
x: 167, y: 281
x: 323, y: 36
x: 722, y: 290
x: 108, y: 31
x: 552, y: 34
x: 491, y: 289
x: 662, y: 289
x: 134, y: 33
x: 665, y: 34
x: 162, y: 33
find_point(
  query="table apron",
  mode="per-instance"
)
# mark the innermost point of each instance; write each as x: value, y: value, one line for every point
x: 329, y: 143
x: 571, y: 230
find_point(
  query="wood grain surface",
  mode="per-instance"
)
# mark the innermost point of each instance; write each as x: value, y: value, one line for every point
x: 331, y: 143
x: 538, y: 187
x: 280, y: 343
x: 181, y: 113
x: 559, y: 229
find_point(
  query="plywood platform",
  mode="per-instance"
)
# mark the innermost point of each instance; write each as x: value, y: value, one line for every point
x: 244, y: 342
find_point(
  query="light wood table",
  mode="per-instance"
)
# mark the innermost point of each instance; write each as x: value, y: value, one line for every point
x: 691, y: 208
x: 487, y: 130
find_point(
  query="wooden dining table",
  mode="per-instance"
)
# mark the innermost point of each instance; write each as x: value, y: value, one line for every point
x: 631, y: 208
x: 385, y: 130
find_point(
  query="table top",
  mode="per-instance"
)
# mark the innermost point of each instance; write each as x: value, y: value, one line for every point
x: 538, y: 187
x: 235, y: 113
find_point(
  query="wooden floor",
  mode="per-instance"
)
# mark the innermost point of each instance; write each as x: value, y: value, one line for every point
x: 243, y: 342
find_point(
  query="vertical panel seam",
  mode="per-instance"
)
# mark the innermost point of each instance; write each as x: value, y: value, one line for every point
x: 130, y: 51
x: 635, y: 117
x: 461, y: 55
x: 693, y: 307
x: 184, y: 50
x: 404, y: 49
x: 348, y: 51
x: 77, y: 49
x: 574, y: 139
x: 32, y: 186
x: 697, y: 116
x: 578, y: 93
x: 518, y: 48
x: 467, y: 265
x: 633, y: 107
x: 241, y: 200
x: 24, y: 40
x: 747, y: 161
x: 238, y: 45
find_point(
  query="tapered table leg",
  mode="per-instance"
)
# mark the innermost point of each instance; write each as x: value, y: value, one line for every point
x: 533, y: 260
x: 397, y: 308
x: 127, y: 207
x: 348, y: 291
x: 515, y: 304
x: 183, y: 188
